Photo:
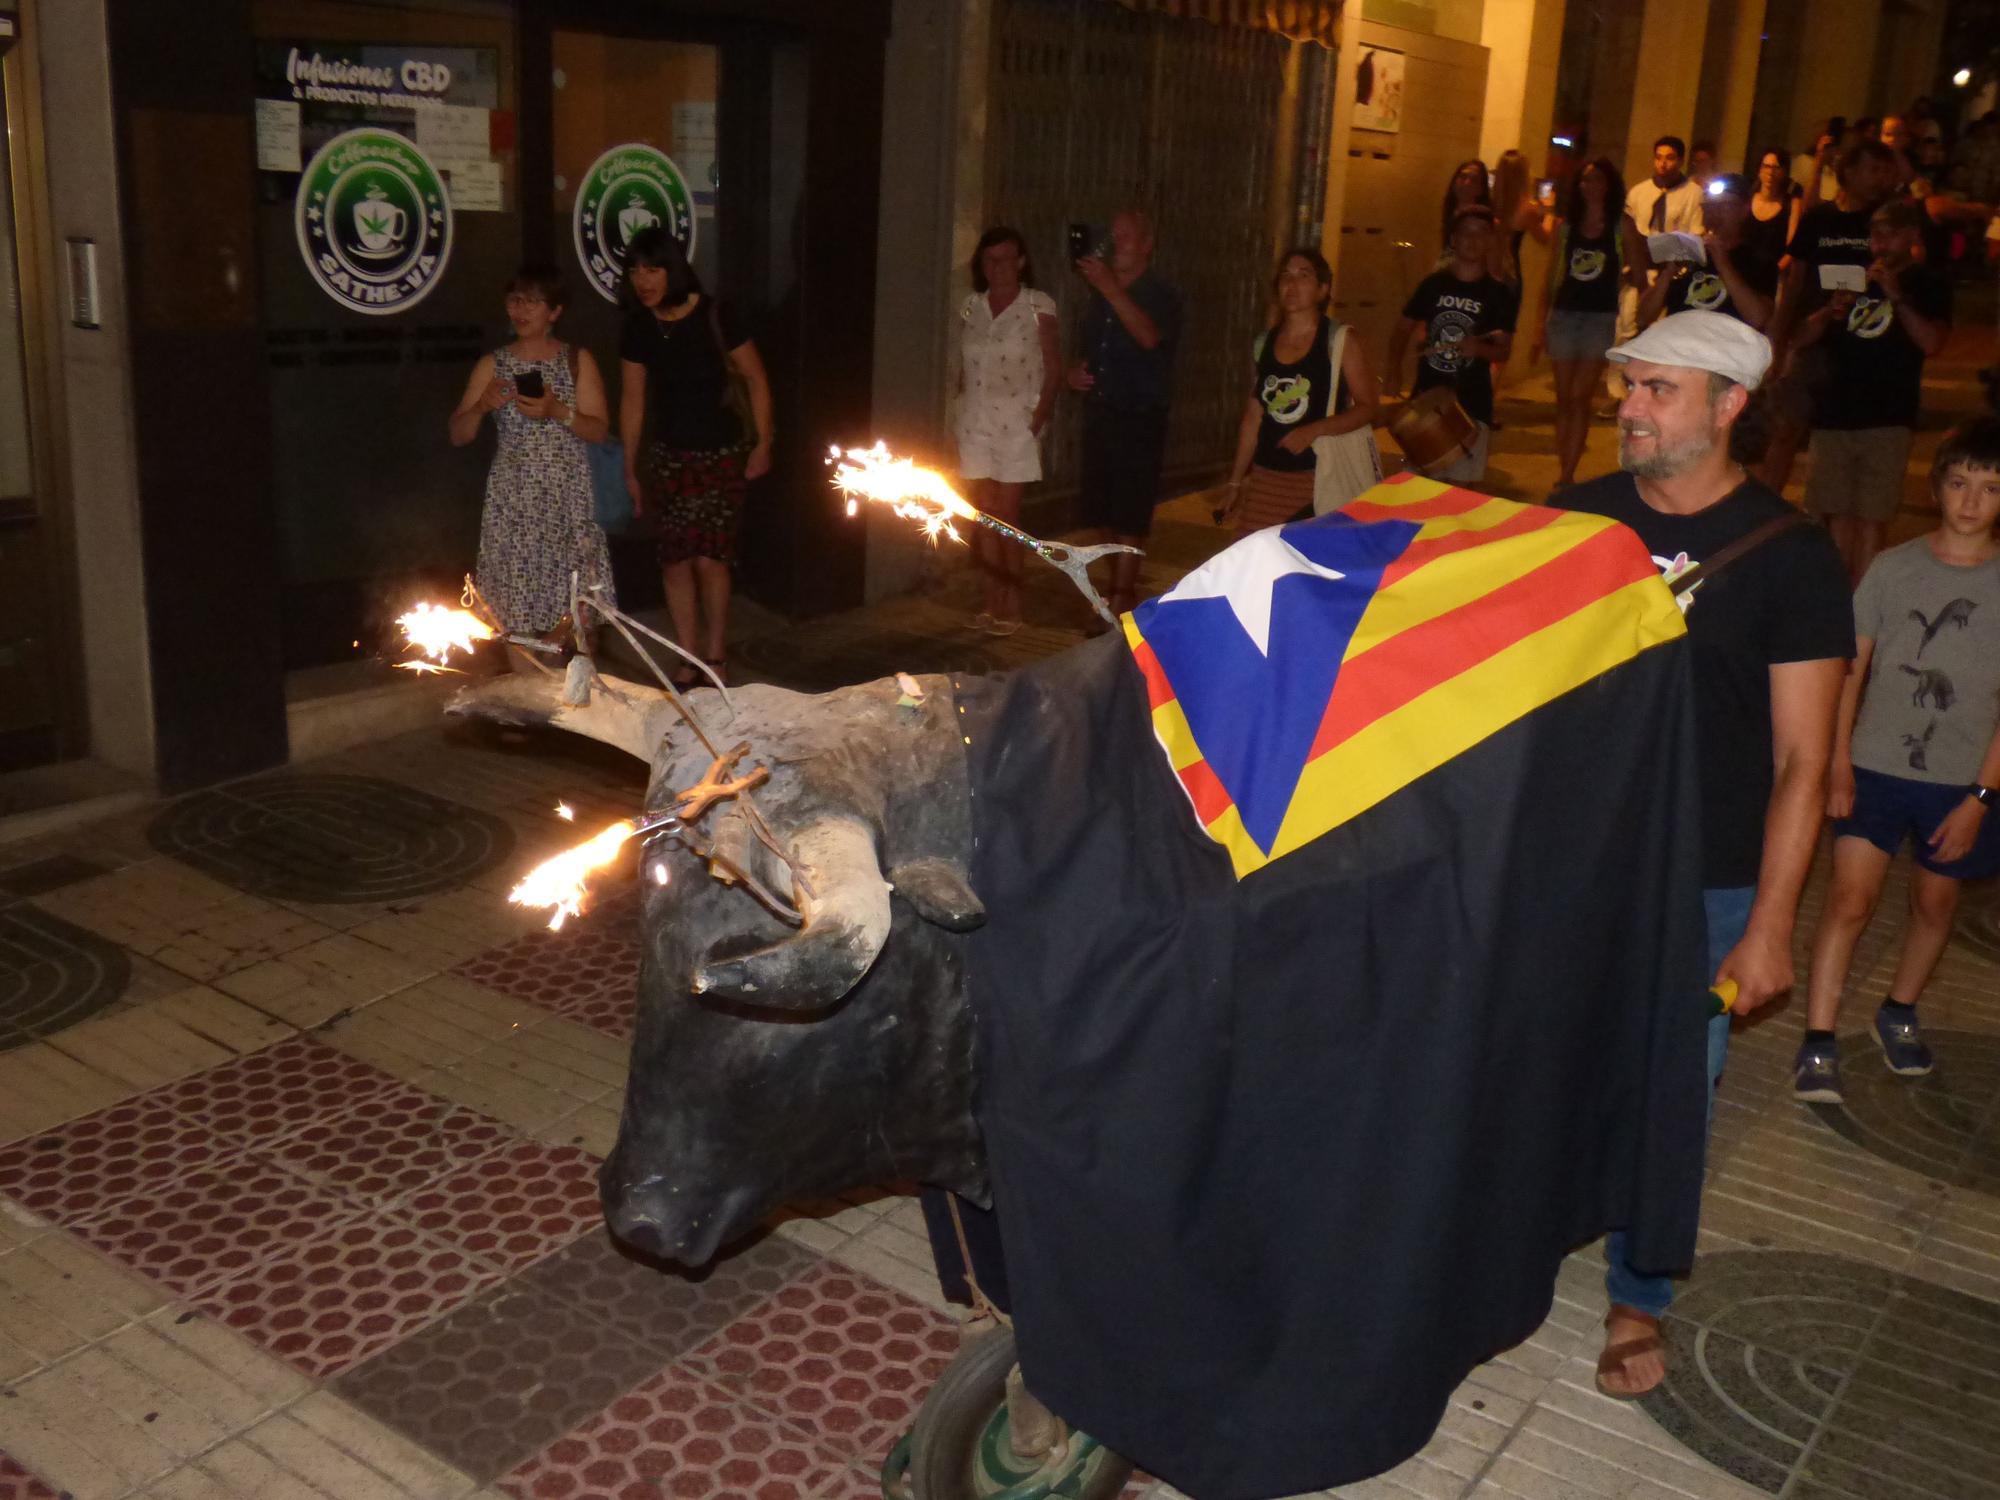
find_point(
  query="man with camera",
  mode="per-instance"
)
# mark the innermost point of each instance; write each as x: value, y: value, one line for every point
x: 1877, y: 330
x: 1125, y: 374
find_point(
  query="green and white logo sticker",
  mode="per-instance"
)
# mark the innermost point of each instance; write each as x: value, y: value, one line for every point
x: 628, y: 189
x: 374, y: 221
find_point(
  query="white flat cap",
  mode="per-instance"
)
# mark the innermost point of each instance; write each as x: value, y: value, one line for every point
x: 1709, y: 341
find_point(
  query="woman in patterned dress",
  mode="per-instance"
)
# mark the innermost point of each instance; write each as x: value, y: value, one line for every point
x: 538, y: 525
x: 1010, y: 368
x: 678, y: 357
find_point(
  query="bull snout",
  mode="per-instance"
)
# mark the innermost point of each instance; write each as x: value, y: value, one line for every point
x: 671, y: 1223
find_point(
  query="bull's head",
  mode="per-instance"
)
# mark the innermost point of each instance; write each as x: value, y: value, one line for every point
x: 776, y: 1063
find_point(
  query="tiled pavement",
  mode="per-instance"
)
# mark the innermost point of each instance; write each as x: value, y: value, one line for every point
x: 298, y: 1122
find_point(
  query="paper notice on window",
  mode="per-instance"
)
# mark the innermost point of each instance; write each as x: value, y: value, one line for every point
x: 475, y: 187
x: 694, y: 151
x: 278, y: 135
x: 452, y: 133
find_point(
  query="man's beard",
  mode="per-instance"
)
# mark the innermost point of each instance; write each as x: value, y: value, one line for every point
x: 1666, y: 460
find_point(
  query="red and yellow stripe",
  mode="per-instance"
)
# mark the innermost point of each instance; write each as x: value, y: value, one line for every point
x: 1494, y: 610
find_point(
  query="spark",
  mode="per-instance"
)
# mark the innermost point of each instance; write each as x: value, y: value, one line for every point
x: 659, y: 874
x: 905, y: 486
x: 559, y: 882
x: 427, y: 668
x: 437, y: 631
x: 565, y: 812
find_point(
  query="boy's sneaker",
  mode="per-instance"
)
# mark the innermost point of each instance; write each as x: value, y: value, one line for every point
x: 1901, y: 1043
x: 1816, y: 1073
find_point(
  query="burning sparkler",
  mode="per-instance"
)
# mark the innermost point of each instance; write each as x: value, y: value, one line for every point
x: 427, y: 669
x: 926, y: 496
x: 437, y: 631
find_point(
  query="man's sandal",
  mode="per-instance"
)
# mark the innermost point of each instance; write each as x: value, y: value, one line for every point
x: 1616, y: 1356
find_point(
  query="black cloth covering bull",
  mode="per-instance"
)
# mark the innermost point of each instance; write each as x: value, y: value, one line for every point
x: 1277, y: 1161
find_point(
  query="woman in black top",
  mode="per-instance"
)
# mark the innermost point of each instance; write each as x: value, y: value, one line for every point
x: 1594, y: 246
x: 1775, y: 210
x: 1295, y: 397
x: 680, y: 355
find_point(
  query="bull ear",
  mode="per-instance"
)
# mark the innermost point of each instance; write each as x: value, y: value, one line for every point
x: 939, y: 892
x: 846, y: 922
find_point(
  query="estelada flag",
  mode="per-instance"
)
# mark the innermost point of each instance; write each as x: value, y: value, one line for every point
x: 1294, y: 1105
x: 1311, y: 670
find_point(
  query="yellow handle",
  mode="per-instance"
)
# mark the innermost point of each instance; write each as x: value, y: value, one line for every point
x: 1725, y: 996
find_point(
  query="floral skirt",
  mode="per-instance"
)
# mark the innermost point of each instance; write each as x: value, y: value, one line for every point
x: 694, y: 501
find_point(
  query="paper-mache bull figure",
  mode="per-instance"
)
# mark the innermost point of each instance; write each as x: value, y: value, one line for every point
x: 1299, y: 973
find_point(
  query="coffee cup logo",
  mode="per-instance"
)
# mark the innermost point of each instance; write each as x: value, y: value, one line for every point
x: 373, y: 219
x: 628, y: 190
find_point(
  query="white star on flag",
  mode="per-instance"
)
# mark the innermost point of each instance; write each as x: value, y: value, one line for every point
x: 1246, y: 576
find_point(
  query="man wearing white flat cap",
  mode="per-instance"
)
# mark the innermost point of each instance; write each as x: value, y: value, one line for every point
x: 1772, y: 629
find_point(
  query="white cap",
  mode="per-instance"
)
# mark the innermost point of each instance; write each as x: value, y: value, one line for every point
x: 1710, y: 341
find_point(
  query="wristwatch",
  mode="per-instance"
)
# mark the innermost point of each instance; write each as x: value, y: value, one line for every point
x: 1985, y: 796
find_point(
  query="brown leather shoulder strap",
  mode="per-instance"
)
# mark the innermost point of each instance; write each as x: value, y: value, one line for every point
x: 1747, y: 543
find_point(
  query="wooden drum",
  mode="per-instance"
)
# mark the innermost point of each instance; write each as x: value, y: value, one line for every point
x: 1432, y: 429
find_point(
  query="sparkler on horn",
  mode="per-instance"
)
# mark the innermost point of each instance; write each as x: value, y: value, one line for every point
x: 926, y: 496
x: 437, y: 630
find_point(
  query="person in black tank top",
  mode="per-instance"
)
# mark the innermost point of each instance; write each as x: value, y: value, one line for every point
x: 1595, y: 246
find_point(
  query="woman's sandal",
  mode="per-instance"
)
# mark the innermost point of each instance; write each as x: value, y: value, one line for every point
x: 1616, y: 1356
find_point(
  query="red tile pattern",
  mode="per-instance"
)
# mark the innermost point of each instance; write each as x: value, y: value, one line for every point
x: 16, y: 1483
x: 189, y: 1232
x: 341, y: 1295
x: 514, y: 1207
x: 105, y: 1158
x: 391, y: 1145
x: 678, y: 1437
x: 588, y: 972
x: 836, y: 1354
x: 277, y: 1091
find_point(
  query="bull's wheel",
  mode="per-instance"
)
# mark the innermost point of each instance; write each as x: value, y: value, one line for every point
x: 961, y: 1447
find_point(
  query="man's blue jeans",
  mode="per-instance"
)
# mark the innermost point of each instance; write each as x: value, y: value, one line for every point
x: 1728, y: 913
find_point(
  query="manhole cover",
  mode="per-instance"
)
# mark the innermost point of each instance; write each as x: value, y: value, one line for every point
x: 331, y: 839
x: 819, y: 666
x: 1979, y: 924
x: 1945, y: 1125
x: 53, y: 974
x: 1820, y: 1378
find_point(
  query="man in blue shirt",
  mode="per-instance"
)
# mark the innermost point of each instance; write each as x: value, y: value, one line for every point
x: 1125, y: 374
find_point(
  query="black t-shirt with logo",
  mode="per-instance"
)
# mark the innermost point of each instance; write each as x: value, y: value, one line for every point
x: 687, y: 380
x: 1291, y: 394
x: 1453, y: 311
x: 1702, y: 289
x: 1874, y: 368
x: 1784, y: 601
x: 1829, y: 236
x: 1590, y: 268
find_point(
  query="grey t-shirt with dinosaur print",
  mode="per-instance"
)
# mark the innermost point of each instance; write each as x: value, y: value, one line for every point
x: 1933, y: 694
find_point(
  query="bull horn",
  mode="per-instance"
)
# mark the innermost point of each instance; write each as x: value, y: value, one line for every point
x: 846, y: 923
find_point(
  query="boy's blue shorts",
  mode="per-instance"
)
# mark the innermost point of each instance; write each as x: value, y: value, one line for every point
x: 1889, y: 809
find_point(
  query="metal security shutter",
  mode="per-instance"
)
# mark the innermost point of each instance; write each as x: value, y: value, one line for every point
x: 1094, y: 108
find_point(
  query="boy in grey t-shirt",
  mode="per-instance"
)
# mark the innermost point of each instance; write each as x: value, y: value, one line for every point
x: 1916, y: 754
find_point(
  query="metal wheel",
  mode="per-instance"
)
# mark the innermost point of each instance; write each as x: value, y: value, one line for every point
x: 959, y: 1448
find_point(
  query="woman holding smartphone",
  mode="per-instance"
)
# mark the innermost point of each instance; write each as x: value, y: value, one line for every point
x: 547, y: 401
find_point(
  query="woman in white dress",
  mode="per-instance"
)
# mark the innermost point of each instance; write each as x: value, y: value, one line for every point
x: 1009, y: 368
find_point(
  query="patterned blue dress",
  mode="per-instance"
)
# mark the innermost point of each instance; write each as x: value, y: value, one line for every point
x: 538, y: 524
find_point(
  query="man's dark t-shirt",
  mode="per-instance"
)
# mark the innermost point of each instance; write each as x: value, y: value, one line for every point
x: 687, y: 382
x: 1829, y: 236
x: 1451, y: 312
x: 1874, y: 368
x: 1702, y: 289
x: 1784, y: 601
x: 1128, y: 377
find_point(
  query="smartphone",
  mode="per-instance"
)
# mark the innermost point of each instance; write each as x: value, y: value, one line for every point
x: 529, y: 384
x: 1083, y: 241
x: 1843, y: 278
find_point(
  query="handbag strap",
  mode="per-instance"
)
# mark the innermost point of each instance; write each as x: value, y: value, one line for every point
x: 1736, y: 551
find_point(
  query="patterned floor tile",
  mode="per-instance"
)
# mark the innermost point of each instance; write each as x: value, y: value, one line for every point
x: 842, y: 1357
x: 515, y: 1206
x: 680, y: 1437
x: 664, y: 1306
x: 102, y: 1159
x: 589, y: 971
x: 335, y: 1299
x: 498, y: 1378
x: 393, y: 1144
x: 202, y: 1227
x: 277, y: 1091
x: 16, y: 1483
x: 53, y: 974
